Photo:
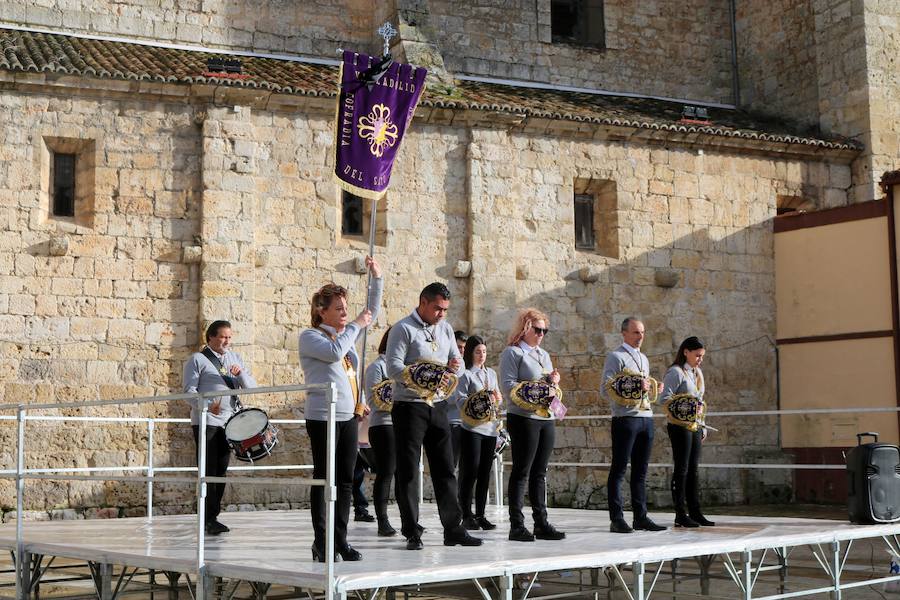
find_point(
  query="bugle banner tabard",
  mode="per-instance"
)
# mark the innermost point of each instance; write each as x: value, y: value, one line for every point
x: 375, y: 107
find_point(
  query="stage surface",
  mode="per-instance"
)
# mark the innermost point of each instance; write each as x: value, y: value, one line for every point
x: 274, y: 546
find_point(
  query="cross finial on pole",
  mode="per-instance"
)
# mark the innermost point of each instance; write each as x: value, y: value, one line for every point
x: 387, y: 31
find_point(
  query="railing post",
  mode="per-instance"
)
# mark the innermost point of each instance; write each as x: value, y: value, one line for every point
x: 21, y: 563
x: 150, y: 428
x: 203, y: 403
x: 330, y: 492
x: 498, y: 481
x: 422, y: 476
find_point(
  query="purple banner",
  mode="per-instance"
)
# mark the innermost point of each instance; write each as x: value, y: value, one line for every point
x: 371, y: 120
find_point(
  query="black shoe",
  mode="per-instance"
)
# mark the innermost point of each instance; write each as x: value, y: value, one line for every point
x: 646, y: 524
x: 349, y: 554
x: 484, y: 523
x: 701, y: 520
x: 460, y: 537
x: 414, y: 542
x: 385, y: 529
x: 683, y: 520
x: 619, y: 526
x: 364, y: 516
x: 318, y: 554
x: 548, y: 532
x: 471, y: 524
x: 520, y: 534
x: 215, y: 528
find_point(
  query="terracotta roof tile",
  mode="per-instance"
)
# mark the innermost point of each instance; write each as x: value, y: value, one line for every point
x: 28, y: 51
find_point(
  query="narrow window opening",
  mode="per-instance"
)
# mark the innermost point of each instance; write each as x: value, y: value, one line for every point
x: 584, y: 222
x: 63, y: 185
x: 351, y: 214
x: 577, y: 22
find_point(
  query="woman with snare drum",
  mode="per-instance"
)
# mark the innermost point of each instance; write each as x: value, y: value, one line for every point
x: 328, y: 355
x: 478, y: 400
x: 682, y: 397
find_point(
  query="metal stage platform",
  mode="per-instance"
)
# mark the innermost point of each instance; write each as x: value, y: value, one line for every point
x: 273, y: 547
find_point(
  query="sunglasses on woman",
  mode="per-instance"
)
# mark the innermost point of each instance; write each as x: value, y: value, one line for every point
x: 540, y: 331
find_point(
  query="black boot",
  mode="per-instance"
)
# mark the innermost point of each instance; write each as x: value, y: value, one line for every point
x: 682, y: 520
x: 384, y: 528
x: 698, y: 517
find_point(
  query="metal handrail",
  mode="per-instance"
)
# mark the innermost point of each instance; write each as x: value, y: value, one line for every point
x: 21, y: 474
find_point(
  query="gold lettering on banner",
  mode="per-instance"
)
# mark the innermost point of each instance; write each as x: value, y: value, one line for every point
x: 352, y: 173
x: 347, y: 121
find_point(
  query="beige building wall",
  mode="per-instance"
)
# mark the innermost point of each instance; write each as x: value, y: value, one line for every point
x: 837, y: 374
x: 833, y: 279
x: 250, y: 190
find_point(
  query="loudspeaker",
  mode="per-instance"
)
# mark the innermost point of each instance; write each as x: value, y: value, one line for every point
x: 873, y: 471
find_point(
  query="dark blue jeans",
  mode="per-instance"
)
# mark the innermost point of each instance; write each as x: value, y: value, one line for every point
x: 632, y: 438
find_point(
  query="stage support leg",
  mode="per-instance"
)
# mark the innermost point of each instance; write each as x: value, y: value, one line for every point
x: 782, y: 570
x: 704, y: 563
x: 674, y: 577
x: 24, y: 573
x: 506, y: 586
x: 173, y: 578
x: 836, y: 569
x: 747, y: 559
x: 638, y: 569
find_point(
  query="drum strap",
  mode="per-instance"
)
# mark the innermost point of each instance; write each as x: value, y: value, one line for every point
x: 223, y: 372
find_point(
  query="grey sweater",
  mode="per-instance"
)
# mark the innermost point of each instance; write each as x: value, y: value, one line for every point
x: 682, y: 380
x: 470, y: 382
x: 200, y: 375
x: 515, y: 366
x: 322, y: 361
x: 619, y: 359
x: 410, y: 340
x: 375, y: 374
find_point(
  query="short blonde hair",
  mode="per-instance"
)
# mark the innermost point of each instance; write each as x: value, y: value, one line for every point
x: 525, y: 316
x: 323, y: 298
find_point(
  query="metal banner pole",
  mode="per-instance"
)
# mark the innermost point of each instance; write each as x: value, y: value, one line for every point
x: 360, y: 372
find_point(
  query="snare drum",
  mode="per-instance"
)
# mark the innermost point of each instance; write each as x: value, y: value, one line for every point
x: 250, y: 435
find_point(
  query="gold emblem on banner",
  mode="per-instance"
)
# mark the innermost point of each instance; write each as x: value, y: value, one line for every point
x: 378, y: 129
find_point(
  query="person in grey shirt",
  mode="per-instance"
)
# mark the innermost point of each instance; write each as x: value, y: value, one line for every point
x: 685, y: 377
x: 452, y: 408
x: 532, y: 436
x: 215, y: 368
x: 328, y: 355
x: 424, y: 335
x: 632, y: 433
x: 477, y: 441
x: 381, y: 437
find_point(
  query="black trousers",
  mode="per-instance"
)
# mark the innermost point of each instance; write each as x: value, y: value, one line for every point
x: 532, y: 442
x: 217, y: 456
x: 686, y: 446
x: 632, y: 438
x: 384, y: 448
x: 346, y: 447
x: 476, y: 460
x: 455, y: 433
x: 417, y: 425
